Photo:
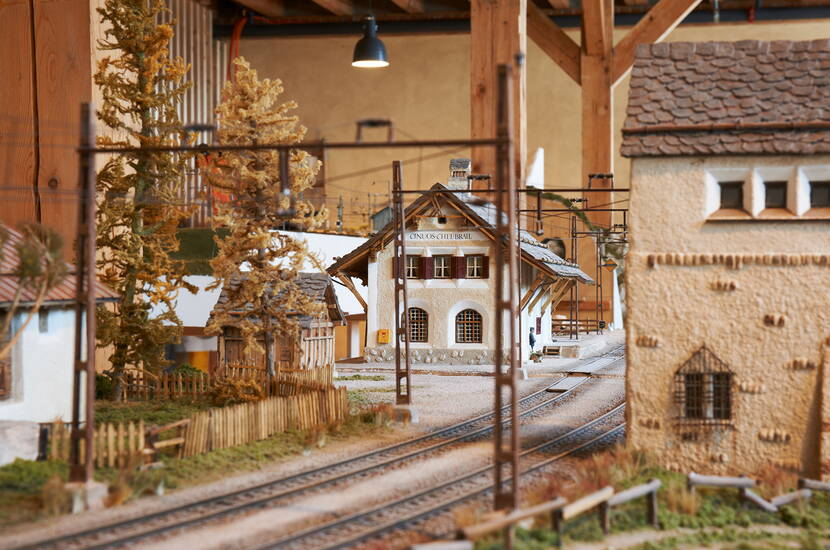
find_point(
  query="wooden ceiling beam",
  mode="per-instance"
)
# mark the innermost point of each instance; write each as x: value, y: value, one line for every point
x: 653, y: 27
x: 498, y: 33
x: 337, y: 7
x: 410, y: 6
x: 268, y: 8
x: 597, y: 23
x: 553, y: 41
x: 558, y: 4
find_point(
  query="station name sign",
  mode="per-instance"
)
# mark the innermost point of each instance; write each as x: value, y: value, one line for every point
x: 442, y: 236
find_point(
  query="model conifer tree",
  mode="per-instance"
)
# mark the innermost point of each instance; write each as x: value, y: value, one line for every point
x: 138, y: 192
x: 258, y: 267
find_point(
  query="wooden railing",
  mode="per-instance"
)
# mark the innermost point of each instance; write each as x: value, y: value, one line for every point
x: 605, y: 499
x: 564, y: 326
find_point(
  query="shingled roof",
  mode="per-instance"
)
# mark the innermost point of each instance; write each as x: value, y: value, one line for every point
x: 484, y: 214
x: 729, y: 98
x: 62, y: 294
x: 317, y: 286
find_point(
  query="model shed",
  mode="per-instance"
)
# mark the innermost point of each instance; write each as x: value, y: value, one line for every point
x: 728, y: 309
x: 311, y: 347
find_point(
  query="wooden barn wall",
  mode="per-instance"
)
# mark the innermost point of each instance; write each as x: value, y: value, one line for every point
x: 208, y: 59
x: 46, y: 75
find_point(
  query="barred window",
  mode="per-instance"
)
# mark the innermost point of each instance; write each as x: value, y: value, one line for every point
x: 704, y: 389
x: 418, y: 325
x: 413, y: 267
x: 442, y: 267
x: 475, y: 267
x: 468, y: 327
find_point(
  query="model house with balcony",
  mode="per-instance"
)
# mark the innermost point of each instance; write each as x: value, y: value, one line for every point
x: 449, y: 268
x: 728, y: 324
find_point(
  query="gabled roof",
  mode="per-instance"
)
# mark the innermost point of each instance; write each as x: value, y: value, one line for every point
x: 729, y: 98
x: 64, y: 293
x: 484, y: 215
x: 317, y: 286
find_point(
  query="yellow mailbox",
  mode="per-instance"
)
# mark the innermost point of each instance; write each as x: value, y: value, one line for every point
x: 383, y: 336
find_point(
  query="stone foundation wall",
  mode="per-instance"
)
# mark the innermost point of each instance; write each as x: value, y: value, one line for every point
x: 385, y: 354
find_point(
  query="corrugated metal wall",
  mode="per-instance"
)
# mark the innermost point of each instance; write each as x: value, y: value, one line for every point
x: 208, y: 59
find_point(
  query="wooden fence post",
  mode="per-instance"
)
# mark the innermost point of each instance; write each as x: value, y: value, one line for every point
x: 651, y: 509
x: 604, y: 514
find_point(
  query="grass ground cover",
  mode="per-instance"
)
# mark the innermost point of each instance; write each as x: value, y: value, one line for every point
x: 31, y: 490
x: 718, y: 517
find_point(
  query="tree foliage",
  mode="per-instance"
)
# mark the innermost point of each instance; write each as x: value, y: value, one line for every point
x: 40, y: 267
x: 256, y: 266
x: 138, y: 191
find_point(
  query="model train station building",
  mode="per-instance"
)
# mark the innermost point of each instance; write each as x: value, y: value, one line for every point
x: 729, y: 269
x: 449, y: 269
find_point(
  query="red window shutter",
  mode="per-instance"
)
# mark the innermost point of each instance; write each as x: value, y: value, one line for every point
x: 427, y: 267
x: 485, y: 268
x: 459, y: 267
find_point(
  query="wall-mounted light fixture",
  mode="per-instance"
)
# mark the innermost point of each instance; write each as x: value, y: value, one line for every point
x: 369, y: 51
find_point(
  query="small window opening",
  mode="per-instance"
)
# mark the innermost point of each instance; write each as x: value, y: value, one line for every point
x: 775, y: 194
x: 442, y: 220
x: 43, y: 320
x: 820, y: 194
x: 731, y: 195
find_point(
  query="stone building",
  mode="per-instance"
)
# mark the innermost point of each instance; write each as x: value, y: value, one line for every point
x: 449, y: 269
x: 728, y: 306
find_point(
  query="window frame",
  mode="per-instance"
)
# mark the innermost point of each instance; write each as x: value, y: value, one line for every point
x: 412, y: 323
x: 469, y: 330
x: 704, y: 387
x: 467, y: 266
x: 447, y: 268
x: 412, y: 262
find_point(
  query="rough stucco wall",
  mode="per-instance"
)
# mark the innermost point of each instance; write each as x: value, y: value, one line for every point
x: 425, y: 91
x: 677, y: 307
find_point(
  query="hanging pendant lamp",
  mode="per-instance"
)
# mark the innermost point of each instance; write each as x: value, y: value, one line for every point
x: 369, y: 51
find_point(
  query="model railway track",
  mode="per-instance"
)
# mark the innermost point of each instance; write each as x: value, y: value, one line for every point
x: 132, y: 530
x: 401, y: 514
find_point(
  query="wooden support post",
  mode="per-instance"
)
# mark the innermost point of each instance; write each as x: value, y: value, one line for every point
x: 532, y: 290
x: 558, y: 525
x: 597, y: 99
x: 651, y: 509
x: 604, y: 512
x: 497, y: 36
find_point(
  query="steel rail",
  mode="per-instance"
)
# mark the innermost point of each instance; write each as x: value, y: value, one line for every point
x: 400, y: 523
x: 270, y: 485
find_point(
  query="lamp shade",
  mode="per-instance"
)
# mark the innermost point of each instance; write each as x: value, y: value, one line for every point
x: 369, y: 50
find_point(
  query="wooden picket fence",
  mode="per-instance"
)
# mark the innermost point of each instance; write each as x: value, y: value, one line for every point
x: 143, y: 387
x: 239, y: 424
x: 116, y: 445
x: 123, y: 444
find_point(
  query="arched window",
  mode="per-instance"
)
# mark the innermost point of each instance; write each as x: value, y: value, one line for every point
x: 703, y: 389
x: 468, y: 327
x: 418, y: 325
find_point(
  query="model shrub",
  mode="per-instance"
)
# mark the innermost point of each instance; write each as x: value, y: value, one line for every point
x: 232, y: 391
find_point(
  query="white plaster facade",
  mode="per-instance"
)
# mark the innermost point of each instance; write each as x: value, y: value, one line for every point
x: 42, y: 365
x: 752, y: 287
